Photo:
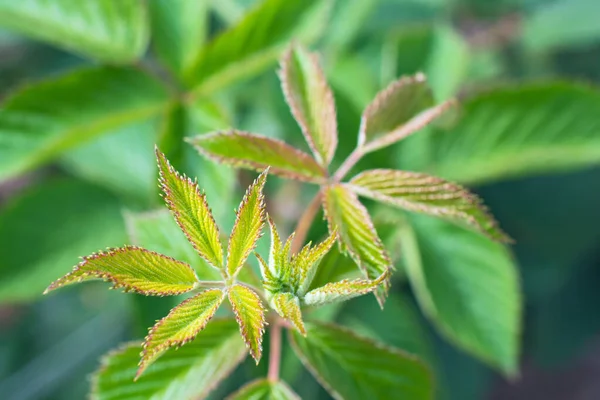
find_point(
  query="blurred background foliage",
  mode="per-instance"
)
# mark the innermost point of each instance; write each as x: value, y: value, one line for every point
x: 77, y: 165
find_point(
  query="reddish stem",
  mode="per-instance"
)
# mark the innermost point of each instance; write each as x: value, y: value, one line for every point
x: 274, y: 351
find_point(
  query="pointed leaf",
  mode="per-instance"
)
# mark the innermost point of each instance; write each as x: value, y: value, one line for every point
x: 248, y: 226
x: 428, y: 195
x: 191, y: 211
x: 191, y: 372
x: 347, y: 289
x: 251, y: 151
x: 134, y: 269
x: 107, y: 30
x: 288, y: 306
x: 357, y: 234
x: 250, y: 315
x: 181, y: 325
x: 352, y: 367
x: 311, y: 100
x: 263, y: 389
x: 279, y: 267
x: 308, y: 266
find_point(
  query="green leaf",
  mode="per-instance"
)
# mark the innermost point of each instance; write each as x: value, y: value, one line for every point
x: 469, y: 287
x: 263, y: 389
x: 427, y: 194
x: 308, y: 261
x: 255, y: 42
x: 181, y: 325
x: 249, y: 222
x: 179, y: 29
x: 356, y: 233
x: 43, y: 120
x: 135, y: 270
x: 250, y: 315
x: 107, y: 30
x: 190, y: 372
x: 288, y: 306
x: 353, y: 367
x: 311, y: 101
x: 191, y: 211
x: 347, y: 289
x: 527, y: 130
x: 251, y: 151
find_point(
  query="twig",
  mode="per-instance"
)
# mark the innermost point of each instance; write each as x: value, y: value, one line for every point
x: 305, y: 222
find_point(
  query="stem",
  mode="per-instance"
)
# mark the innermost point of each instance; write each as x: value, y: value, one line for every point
x: 305, y: 222
x: 347, y: 165
x: 274, y: 351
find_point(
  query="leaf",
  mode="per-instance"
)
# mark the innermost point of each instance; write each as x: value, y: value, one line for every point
x: 250, y: 315
x: 45, y: 229
x: 251, y: 151
x: 311, y: 101
x: 179, y: 29
x: 529, y: 130
x: 308, y: 262
x: 181, y: 325
x: 135, y: 270
x: 107, y: 30
x: 356, y: 233
x: 288, y: 306
x: 347, y: 289
x: 191, y: 211
x: 427, y: 194
x: 263, y: 389
x: 45, y: 119
x: 247, y: 229
x: 469, y: 287
x: 254, y: 42
x: 190, y: 372
x: 353, y: 367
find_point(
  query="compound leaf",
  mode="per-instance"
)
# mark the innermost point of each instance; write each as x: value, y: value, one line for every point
x: 191, y: 372
x: 135, y: 270
x: 351, y: 367
x: 288, y: 306
x: 263, y: 389
x: 251, y: 151
x: 428, y: 195
x: 181, y: 325
x: 250, y: 315
x: 341, y: 291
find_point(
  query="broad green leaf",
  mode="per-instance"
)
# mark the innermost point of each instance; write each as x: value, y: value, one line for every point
x: 350, y: 367
x: 135, y: 270
x: 250, y: 315
x: 45, y: 119
x: 251, y: 151
x: 250, y: 218
x: 181, y: 325
x: 107, y: 30
x: 263, y: 389
x: 521, y: 130
x: 191, y: 211
x: 45, y: 229
x: 356, y: 234
x: 179, y: 29
x: 427, y: 194
x: 311, y: 101
x: 336, y: 292
x: 255, y: 42
x: 469, y: 287
x: 288, y: 306
x: 190, y: 372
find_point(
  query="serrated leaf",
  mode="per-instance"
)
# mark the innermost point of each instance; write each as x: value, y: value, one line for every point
x: 529, y: 130
x: 350, y: 367
x: 107, y: 30
x: 288, y: 306
x: 250, y: 218
x: 311, y: 101
x: 135, y: 270
x: 263, y: 389
x: 40, y: 121
x: 347, y: 289
x: 427, y: 194
x: 251, y: 151
x: 190, y: 372
x: 191, y: 211
x: 307, y: 263
x: 356, y: 233
x: 250, y: 315
x: 468, y: 286
x: 254, y: 42
x: 181, y: 325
